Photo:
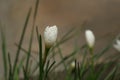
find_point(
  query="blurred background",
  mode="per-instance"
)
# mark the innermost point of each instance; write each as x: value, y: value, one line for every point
x: 101, y: 16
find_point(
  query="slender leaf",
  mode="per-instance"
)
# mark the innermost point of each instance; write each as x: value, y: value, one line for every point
x: 41, y: 72
x: 10, y: 67
x: 21, y: 40
x: 61, y: 56
x: 4, y: 54
x: 29, y: 49
x: 111, y: 74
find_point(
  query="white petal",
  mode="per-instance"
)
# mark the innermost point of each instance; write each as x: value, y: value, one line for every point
x: 90, y: 38
x: 118, y: 42
x: 73, y: 64
x: 117, y: 47
x: 50, y: 35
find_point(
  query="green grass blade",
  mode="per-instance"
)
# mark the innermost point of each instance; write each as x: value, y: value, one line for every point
x: 35, y: 69
x: 68, y: 33
x: 25, y: 51
x: 76, y: 72
x: 21, y: 63
x: 25, y: 74
x: 36, y: 10
x: 101, y: 70
x: 61, y: 56
x: 111, y: 74
x: 21, y: 40
x: 50, y: 67
x: 29, y: 49
x: 34, y: 19
x: 46, y: 69
x: 10, y: 67
x: 64, y: 59
x: 4, y: 52
x: 79, y: 77
x: 102, y: 52
x: 41, y: 72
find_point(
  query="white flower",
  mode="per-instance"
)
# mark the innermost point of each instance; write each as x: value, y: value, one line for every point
x: 73, y: 64
x: 50, y: 35
x: 90, y: 38
x: 117, y: 45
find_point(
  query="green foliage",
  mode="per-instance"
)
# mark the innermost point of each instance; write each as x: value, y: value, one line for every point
x: 87, y: 69
x: 4, y: 52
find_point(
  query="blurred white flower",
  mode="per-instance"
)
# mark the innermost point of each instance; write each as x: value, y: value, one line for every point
x: 117, y: 45
x: 73, y: 64
x: 50, y: 35
x: 90, y: 38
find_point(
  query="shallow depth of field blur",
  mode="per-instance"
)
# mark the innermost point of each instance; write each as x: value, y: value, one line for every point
x: 100, y: 16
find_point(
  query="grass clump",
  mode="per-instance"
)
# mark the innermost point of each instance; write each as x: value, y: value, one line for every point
x: 86, y: 69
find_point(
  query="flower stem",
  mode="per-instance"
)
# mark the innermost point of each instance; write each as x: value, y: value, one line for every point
x: 92, y: 62
x: 91, y: 56
x: 45, y: 55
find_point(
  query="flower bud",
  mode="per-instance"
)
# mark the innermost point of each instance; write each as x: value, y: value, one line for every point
x: 117, y: 45
x: 73, y: 64
x: 90, y: 38
x: 50, y: 35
